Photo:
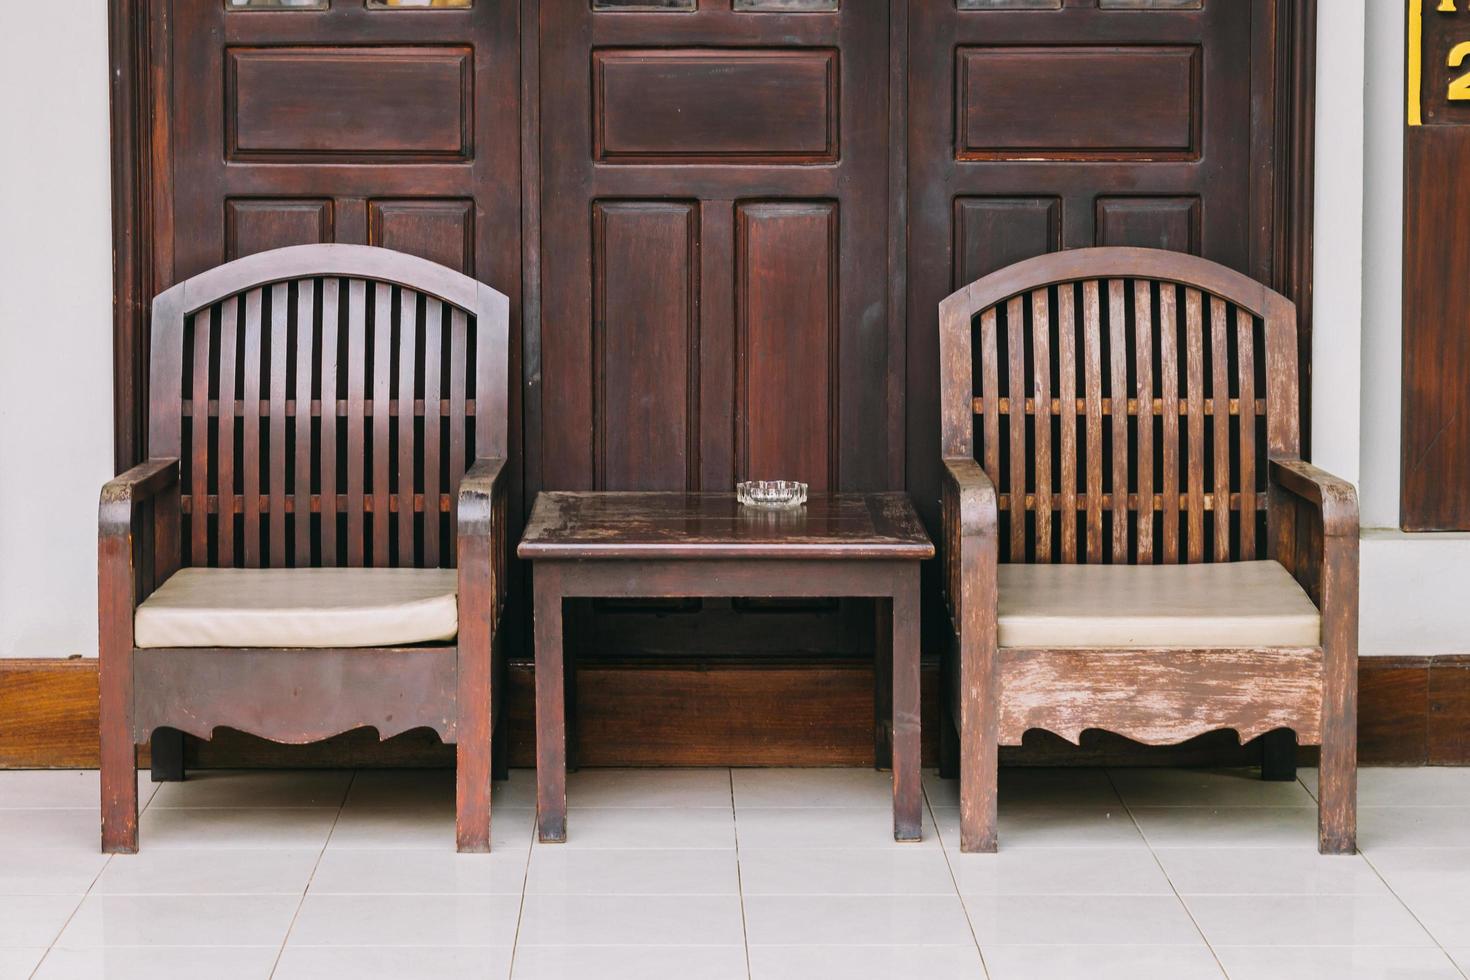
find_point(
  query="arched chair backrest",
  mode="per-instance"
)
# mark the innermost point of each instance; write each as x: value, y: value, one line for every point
x: 325, y: 401
x: 1123, y: 402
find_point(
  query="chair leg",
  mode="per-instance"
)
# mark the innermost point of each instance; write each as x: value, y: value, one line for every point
x: 119, y: 792
x: 1337, y: 786
x: 1278, y: 755
x: 979, y: 788
x: 979, y: 773
x: 167, y: 755
x: 472, y: 796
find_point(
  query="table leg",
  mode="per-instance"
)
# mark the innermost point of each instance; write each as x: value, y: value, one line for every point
x: 883, y: 685
x: 551, y: 731
x: 908, y: 794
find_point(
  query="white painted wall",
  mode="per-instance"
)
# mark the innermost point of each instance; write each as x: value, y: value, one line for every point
x: 55, y: 322
x: 1337, y: 266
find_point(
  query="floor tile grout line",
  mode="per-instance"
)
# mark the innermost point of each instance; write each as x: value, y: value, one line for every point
x: 1410, y: 909
x: 515, y: 942
x: 949, y: 866
x: 739, y: 875
x: 341, y: 805
x: 1108, y: 773
x: 84, y: 896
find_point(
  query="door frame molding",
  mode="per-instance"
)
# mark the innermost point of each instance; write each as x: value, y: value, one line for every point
x: 141, y: 160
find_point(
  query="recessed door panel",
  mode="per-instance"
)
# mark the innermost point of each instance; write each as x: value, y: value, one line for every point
x: 645, y: 267
x: 440, y: 231
x: 257, y: 224
x: 786, y: 316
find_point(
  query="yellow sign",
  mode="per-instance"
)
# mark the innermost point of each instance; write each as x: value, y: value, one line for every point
x: 1458, y: 87
x: 1416, y: 60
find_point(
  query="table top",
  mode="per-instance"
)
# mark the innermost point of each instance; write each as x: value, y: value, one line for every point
x: 578, y: 525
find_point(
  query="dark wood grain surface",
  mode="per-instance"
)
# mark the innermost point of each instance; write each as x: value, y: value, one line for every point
x: 715, y: 525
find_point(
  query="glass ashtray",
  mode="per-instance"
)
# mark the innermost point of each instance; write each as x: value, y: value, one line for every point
x: 771, y: 494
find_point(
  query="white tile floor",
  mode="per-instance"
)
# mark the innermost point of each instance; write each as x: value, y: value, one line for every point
x: 744, y: 874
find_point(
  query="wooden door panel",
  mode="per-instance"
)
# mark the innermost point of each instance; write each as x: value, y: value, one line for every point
x: 733, y: 105
x: 646, y: 341
x: 1150, y: 221
x: 1036, y: 126
x: 404, y: 122
x: 348, y: 101
x: 990, y: 233
x: 771, y: 153
x: 259, y: 224
x: 786, y: 312
x: 1053, y: 101
x: 441, y: 231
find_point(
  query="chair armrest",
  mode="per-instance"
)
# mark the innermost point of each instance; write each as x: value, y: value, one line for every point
x: 120, y: 555
x: 475, y: 508
x: 123, y: 493
x: 969, y: 536
x: 480, y: 527
x: 968, y: 487
x: 1335, y: 499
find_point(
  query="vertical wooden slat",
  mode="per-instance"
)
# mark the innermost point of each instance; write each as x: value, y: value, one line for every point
x: 1118, y: 361
x: 1220, y: 383
x: 433, y: 416
x: 305, y: 341
x: 1143, y: 329
x: 1195, y: 406
x: 1092, y: 382
x: 1169, y: 409
x: 327, y: 439
x: 458, y: 363
x: 225, y: 451
x: 250, y: 461
x: 356, y: 383
x: 1245, y: 343
x: 990, y: 389
x: 199, y: 437
x: 1016, y: 390
x: 1041, y: 440
x: 408, y: 332
x: 276, y: 473
x: 1067, y: 393
x: 382, y: 421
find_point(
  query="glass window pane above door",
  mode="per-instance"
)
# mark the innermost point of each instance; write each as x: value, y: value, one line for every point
x: 277, y: 4
x: 419, y: 4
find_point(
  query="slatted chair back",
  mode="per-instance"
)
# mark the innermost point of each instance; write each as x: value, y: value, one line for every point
x: 1123, y: 401
x: 325, y: 401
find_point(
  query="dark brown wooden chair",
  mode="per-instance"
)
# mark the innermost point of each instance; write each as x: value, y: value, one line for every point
x: 1137, y: 546
x: 317, y: 542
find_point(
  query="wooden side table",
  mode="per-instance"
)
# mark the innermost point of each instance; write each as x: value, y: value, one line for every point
x: 678, y: 545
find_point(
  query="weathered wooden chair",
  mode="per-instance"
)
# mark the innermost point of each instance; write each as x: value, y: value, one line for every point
x: 1137, y: 417
x: 318, y: 541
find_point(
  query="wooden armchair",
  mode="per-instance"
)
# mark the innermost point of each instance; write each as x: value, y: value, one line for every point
x: 318, y: 542
x: 1136, y: 413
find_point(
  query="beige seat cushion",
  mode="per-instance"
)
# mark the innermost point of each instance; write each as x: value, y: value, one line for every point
x: 299, y: 607
x: 1237, y: 604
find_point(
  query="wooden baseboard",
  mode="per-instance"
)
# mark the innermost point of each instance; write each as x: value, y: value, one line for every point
x: 1412, y: 711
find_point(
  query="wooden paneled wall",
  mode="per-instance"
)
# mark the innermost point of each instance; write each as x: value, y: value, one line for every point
x: 724, y: 225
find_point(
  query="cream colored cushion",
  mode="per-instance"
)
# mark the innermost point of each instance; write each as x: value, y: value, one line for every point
x: 1236, y: 604
x: 299, y: 607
